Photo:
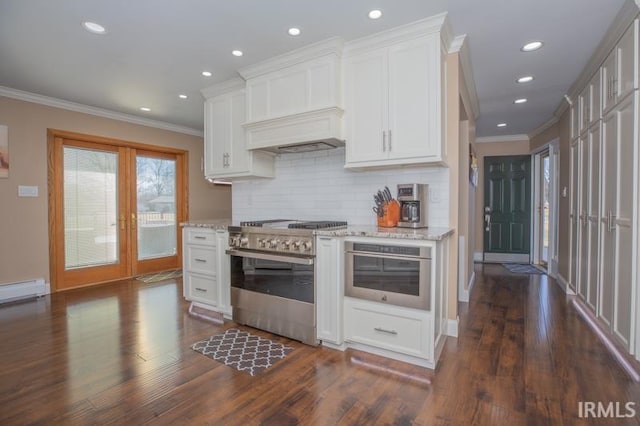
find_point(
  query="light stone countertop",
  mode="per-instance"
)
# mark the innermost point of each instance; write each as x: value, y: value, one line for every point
x: 433, y: 233
x: 215, y: 224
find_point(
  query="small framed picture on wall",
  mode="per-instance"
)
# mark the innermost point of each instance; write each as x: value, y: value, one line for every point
x: 4, y: 151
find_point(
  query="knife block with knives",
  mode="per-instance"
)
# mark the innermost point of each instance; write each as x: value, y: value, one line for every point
x: 387, y: 209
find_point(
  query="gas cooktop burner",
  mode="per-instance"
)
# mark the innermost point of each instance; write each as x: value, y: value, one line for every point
x: 295, y: 224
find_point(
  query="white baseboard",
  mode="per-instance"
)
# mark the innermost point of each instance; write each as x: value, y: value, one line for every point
x: 564, y: 284
x: 466, y: 294
x: 478, y: 257
x: 10, y: 292
x: 452, y: 327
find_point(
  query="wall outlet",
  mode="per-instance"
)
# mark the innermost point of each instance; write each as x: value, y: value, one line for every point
x: 27, y: 191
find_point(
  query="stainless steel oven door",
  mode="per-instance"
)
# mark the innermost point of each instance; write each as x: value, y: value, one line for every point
x: 388, y: 274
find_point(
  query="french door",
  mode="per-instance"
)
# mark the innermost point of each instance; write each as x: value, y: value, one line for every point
x: 114, y: 209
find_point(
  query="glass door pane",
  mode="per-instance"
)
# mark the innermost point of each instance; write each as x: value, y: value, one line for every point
x: 156, y: 207
x: 546, y: 186
x: 90, y: 207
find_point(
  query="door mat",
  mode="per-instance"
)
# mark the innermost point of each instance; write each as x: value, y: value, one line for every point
x: 159, y: 276
x: 242, y: 351
x: 520, y: 268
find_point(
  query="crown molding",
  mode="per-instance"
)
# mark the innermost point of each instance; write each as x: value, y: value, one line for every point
x: 100, y: 112
x: 322, y: 48
x: 505, y: 138
x: 622, y: 21
x: 470, y: 95
x: 543, y: 127
x: 431, y: 25
x: 227, y: 86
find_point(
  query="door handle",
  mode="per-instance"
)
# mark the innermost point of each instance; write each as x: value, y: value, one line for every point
x: 384, y: 141
x: 389, y: 140
x: 487, y: 218
x: 134, y: 221
x: 123, y: 222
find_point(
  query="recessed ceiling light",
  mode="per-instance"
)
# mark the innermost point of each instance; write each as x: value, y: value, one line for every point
x: 182, y: 96
x: 520, y: 101
x: 206, y: 73
x: 145, y: 109
x: 237, y: 53
x: 525, y: 79
x: 294, y: 31
x: 375, y: 14
x: 531, y: 46
x: 502, y: 124
x: 93, y: 27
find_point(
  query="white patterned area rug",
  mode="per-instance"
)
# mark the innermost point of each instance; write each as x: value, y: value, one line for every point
x: 242, y: 351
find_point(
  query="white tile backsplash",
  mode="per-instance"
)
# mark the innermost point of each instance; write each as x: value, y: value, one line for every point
x: 316, y: 186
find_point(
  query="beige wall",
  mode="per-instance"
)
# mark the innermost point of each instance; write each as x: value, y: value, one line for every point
x: 489, y: 149
x: 564, y: 135
x: 24, y: 243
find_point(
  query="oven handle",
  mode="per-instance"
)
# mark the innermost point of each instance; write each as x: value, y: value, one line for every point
x: 266, y: 256
x: 386, y: 256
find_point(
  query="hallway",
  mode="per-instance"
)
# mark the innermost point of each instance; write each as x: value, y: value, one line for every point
x: 120, y: 354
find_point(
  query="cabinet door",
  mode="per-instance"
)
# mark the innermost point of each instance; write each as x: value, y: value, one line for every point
x: 622, y: 223
x: 583, y: 198
x: 237, y: 154
x: 366, y: 112
x: 596, y: 106
x: 201, y: 288
x: 607, y: 237
x: 626, y: 52
x: 593, y: 214
x: 608, y: 71
x: 414, y: 97
x: 585, y: 106
x: 573, y: 216
x: 216, y: 132
x: 329, y: 290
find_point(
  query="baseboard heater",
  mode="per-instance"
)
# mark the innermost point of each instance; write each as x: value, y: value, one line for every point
x: 22, y: 290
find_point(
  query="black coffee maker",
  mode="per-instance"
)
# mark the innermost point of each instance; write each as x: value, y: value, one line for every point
x: 413, y: 205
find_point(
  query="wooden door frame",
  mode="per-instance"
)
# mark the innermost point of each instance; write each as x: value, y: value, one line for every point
x: 54, y: 176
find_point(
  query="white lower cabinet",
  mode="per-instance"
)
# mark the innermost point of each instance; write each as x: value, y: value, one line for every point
x: 401, y: 330
x: 206, y: 269
x: 412, y: 335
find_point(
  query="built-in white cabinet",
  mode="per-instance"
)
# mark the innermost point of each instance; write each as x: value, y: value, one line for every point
x: 619, y: 70
x: 225, y: 148
x: 604, y: 202
x: 295, y: 97
x: 206, y: 269
x: 394, y: 99
x: 619, y: 207
x: 329, y: 289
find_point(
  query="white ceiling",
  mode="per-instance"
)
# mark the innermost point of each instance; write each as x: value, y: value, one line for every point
x: 156, y: 49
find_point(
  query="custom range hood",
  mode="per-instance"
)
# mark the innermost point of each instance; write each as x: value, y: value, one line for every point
x: 293, y: 100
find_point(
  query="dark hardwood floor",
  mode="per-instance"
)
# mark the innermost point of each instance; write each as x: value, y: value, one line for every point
x: 120, y: 354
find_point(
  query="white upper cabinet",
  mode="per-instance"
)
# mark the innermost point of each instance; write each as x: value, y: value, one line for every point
x: 225, y: 150
x: 619, y: 70
x: 295, y: 98
x: 394, y: 97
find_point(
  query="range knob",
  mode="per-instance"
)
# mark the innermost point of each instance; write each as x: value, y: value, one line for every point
x: 296, y: 245
x: 306, y: 246
x: 234, y: 241
x: 286, y: 245
x: 262, y: 243
x: 273, y: 243
x: 244, y: 241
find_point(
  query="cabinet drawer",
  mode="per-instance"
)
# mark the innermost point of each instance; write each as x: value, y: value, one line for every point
x: 396, y: 329
x: 201, y: 259
x: 201, y: 288
x: 200, y: 236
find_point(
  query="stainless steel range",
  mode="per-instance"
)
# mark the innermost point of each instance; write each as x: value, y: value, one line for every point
x: 273, y: 276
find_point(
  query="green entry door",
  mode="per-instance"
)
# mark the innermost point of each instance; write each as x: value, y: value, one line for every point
x: 507, y: 208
